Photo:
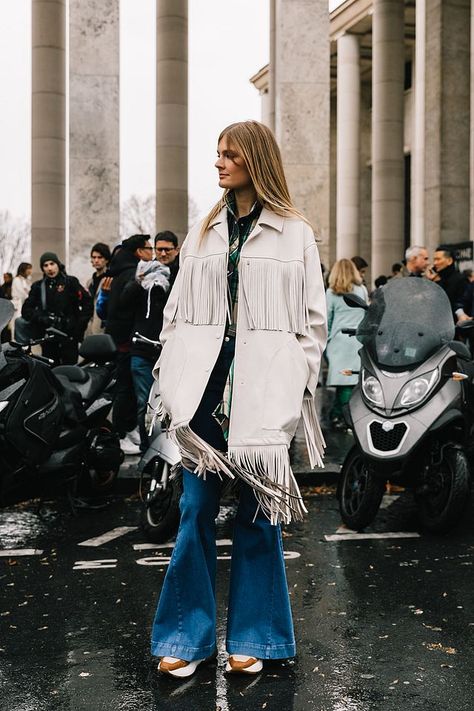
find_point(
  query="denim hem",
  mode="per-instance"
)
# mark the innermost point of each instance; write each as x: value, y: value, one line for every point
x: 181, y: 651
x: 263, y: 651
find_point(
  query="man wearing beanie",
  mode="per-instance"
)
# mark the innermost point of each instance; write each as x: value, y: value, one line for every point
x: 58, y: 300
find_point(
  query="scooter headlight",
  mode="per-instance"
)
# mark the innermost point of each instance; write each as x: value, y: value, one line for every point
x: 417, y: 389
x: 372, y: 389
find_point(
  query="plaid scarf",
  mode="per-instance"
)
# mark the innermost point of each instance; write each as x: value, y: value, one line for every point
x: 239, y: 230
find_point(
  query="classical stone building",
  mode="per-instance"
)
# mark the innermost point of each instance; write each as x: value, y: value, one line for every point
x: 402, y: 130
x: 75, y: 118
x: 75, y: 125
x: 75, y: 192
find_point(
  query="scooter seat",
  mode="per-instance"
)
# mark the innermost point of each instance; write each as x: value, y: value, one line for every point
x: 73, y: 373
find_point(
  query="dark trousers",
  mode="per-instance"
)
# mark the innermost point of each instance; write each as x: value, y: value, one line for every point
x: 142, y: 375
x: 124, y: 414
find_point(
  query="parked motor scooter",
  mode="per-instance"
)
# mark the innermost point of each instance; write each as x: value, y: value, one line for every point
x: 46, y: 434
x: 412, y: 412
x: 160, y: 472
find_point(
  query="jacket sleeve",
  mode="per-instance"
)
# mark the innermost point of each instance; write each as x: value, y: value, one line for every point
x: 314, y: 340
x: 169, y: 312
x: 130, y: 293
x: 31, y: 308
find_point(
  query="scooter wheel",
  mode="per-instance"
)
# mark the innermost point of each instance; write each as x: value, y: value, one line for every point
x: 360, y: 491
x: 446, y: 493
x: 160, y: 513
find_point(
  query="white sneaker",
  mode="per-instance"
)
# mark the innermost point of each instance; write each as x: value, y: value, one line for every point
x: 134, y: 435
x: 178, y: 667
x: 242, y: 664
x: 128, y: 446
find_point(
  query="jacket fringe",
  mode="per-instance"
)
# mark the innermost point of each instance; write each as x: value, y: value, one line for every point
x: 272, y: 463
x: 274, y: 294
x: 203, y: 299
x: 264, y: 468
x: 315, y: 443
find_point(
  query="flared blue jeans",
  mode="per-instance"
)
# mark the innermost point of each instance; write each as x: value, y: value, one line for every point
x: 259, y: 621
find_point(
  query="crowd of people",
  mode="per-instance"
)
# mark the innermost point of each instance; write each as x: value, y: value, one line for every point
x: 126, y: 293
x: 348, y: 276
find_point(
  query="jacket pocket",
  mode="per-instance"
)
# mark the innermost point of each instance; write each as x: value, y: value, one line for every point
x: 285, y: 384
x: 172, y: 362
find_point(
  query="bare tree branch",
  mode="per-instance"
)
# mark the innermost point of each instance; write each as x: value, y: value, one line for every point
x: 15, y: 241
x: 137, y: 215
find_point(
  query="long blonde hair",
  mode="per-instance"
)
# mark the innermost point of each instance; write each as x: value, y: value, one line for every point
x: 256, y: 144
x: 343, y: 276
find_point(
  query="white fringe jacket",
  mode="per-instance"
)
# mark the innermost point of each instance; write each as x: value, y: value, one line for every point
x: 281, y: 335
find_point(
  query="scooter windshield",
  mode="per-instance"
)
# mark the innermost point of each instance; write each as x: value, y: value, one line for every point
x: 6, y: 312
x: 407, y: 321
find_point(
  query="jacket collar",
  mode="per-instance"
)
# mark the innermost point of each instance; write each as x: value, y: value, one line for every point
x: 267, y: 217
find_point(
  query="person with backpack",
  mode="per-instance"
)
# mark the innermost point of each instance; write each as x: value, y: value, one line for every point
x: 58, y: 300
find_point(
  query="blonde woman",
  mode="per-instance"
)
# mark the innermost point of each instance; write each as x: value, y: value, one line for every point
x: 342, y: 350
x: 247, y: 311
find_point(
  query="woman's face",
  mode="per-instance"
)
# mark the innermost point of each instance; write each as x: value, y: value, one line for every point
x: 28, y: 272
x: 233, y: 173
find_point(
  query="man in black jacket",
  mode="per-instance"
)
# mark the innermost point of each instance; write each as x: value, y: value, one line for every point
x: 120, y: 320
x: 149, y: 293
x: 447, y: 276
x: 58, y: 300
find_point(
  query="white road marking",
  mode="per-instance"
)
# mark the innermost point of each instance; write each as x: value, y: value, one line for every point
x: 95, y: 564
x: 370, y: 536
x: 164, y: 560
x: 109, y: 536
x: 15, y: 552
x: 160, y: 546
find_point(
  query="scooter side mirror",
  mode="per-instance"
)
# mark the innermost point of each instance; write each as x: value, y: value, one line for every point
x: 461, y: 350
x: 355, y: 302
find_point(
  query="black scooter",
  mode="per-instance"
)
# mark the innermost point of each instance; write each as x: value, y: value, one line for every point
x: 412, y: 412
x: 50, y: 431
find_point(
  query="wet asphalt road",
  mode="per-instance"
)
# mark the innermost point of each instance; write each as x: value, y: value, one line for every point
x: 385, y: 624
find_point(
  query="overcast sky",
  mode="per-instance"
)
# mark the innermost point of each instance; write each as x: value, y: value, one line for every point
x: 228, y: 43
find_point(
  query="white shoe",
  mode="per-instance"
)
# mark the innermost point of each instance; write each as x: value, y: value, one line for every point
x: 178, y: 667
x: 243, y: 664
x: 128, y: 446
x: 134, y: 435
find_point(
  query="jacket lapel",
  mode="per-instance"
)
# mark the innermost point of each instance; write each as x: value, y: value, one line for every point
x: 220, y: 225
x: 269, y: 218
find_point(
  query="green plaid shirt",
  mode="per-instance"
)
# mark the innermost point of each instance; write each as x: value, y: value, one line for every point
x: 239, y: 230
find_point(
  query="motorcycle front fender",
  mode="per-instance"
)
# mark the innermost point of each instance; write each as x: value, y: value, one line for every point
x: 165, y: 448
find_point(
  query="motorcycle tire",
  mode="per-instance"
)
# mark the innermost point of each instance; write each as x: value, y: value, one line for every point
x: 360, y: 492
x: 441, y: 507
x: 100, y: 480
x: 160, y: 519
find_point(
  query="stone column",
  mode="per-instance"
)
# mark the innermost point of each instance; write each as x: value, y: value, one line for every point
x: 271, y: 84
x: 471, y: 170
x: 348, y: 147
x: 302, y: 107
x: 388, y: 63
x: 447, y: 125
x: 418, y: 149
x: 48, y: 129
x: 94, y: 140
x: 172, y: 116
